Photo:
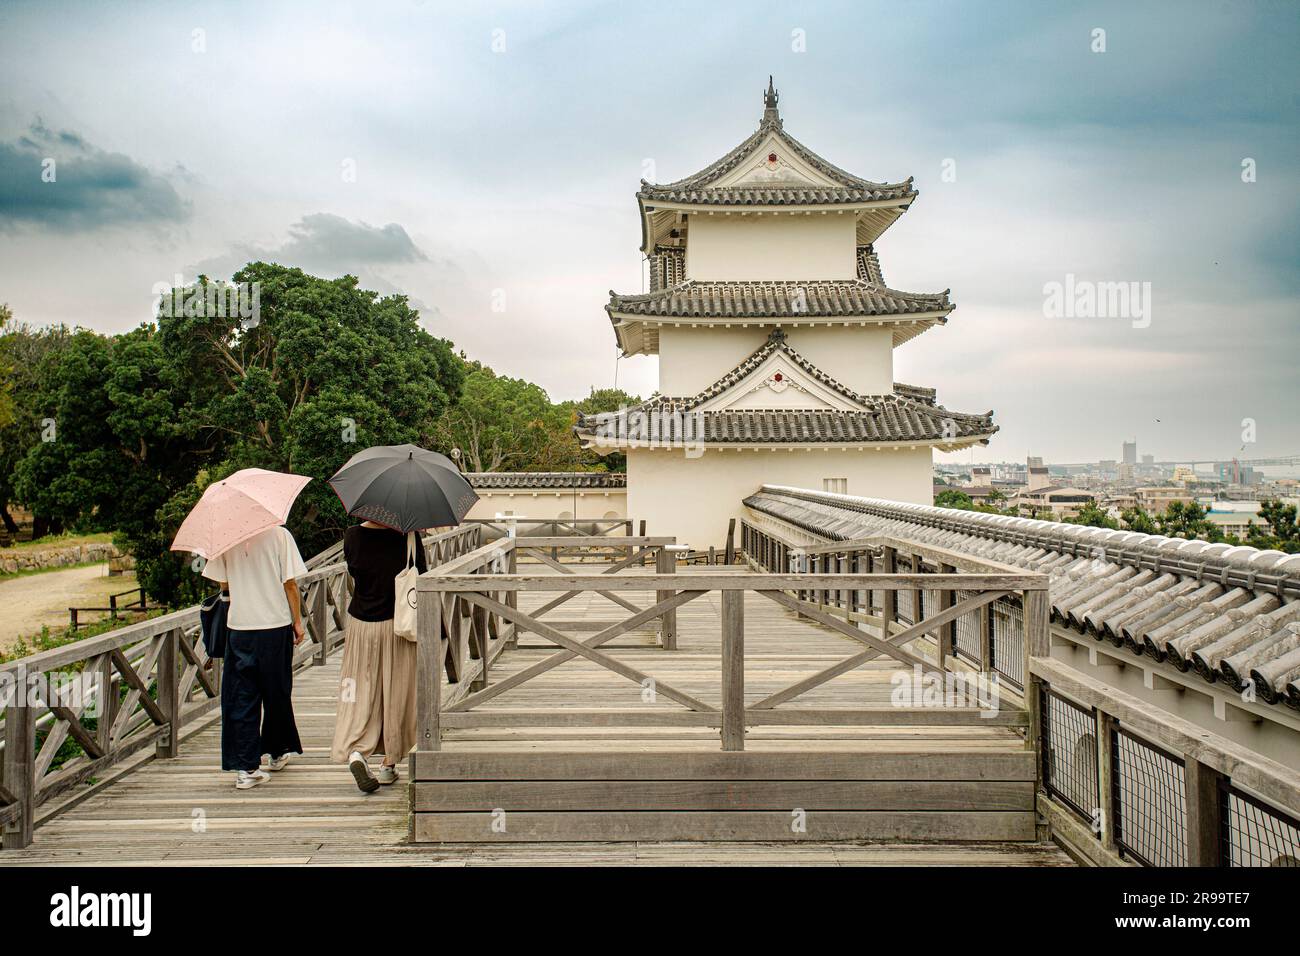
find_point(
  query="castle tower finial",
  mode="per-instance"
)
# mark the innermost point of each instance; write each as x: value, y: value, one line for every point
x: 770, y: 98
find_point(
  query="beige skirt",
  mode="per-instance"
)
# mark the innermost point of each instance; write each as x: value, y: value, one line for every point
x: 376, y: 712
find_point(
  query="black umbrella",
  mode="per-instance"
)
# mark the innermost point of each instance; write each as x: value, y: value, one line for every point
x: 403, y: 487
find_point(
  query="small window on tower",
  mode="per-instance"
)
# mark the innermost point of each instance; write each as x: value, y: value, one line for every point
x: 838, y: 486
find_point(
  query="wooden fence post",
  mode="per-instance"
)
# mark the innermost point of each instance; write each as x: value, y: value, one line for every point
x: 986, y: 638
x: 1036, y: 611
x: 428, y: 673
x: 1105, y: 779
x: 1204, y: 814
x: 888, y: 599
x: 20, y: 765
x: 731, y: 541
x: 512, y: 597
x: 946, y: 639
x: 169, y: 694
x: 666, y: 563
x: 733, y: 670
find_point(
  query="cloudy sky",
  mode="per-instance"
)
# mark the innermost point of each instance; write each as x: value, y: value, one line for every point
x: 458, y: 152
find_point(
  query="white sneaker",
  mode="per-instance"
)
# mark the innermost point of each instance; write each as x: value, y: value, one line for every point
x: 247, y: 781
x: 386, y: 775
x: 366, y: 783
x: 278, y: 763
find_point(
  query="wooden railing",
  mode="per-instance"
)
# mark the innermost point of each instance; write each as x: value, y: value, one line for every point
x: 493, y: 586
x: 1122, y: 782
x: 508, y: 526
x: 74, y: 712
x: 989, y: 638
x: 462, y: 631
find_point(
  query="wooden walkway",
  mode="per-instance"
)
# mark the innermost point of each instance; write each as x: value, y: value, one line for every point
x: 184, y: 811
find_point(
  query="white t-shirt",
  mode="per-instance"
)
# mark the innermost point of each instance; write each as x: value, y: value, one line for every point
x: 256, y: 571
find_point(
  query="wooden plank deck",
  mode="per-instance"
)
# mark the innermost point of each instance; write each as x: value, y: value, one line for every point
x: 185, y: 811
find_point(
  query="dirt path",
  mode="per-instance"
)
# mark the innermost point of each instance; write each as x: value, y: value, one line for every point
x: 33, y: 600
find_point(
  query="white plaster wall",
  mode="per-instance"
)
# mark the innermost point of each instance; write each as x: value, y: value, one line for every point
x: 547, y: 504
x: 693, y: 498
x: 771, y: 246
x: 690, y: 360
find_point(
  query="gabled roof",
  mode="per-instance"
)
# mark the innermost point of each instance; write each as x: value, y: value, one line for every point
x: 710, y: 186
x: 909, y: 414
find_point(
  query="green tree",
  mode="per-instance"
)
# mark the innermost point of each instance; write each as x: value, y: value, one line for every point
x: 1283, y: 533
x: 506, y: 424
x: 1093, y: 516
x: 1187, y: 520
x: 1137, y: 519
x: 953, y: 498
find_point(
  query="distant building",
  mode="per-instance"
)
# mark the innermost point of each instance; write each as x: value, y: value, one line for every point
x: 1158, y: 499
x: 1184, y: 474
x: 1060, y: 502
x: 1148, y: 461
x: 1130, y: 452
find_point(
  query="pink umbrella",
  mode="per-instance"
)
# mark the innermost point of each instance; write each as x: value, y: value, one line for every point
x: 235, y: 509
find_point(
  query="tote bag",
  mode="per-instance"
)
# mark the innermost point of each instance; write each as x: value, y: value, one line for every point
x: 212, y: 621
x: 404, y: 593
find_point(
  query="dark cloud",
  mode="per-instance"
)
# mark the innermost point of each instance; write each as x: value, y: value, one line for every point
x: 91, y: 187
x: 330, y: 246
x: 327, y: 245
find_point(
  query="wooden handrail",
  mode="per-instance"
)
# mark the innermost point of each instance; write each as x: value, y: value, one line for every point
x: 472, y: 583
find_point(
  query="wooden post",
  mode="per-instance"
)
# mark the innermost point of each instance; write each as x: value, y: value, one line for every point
x: 1037, y: 615
x: 1105, y: 779
x: 946, y: 642
x: 986, y: 638
x: 1204, y: 814
x: 20, y: 765
x: 641, y: 533
x: 1034, y: 704
x: 169, y: 694
x: 106, y: 704
x: 428, y: 673
x: 512, y: 597
x: 918, y: 594
x: 888, y: 599
x: 666, y: 563
x: 1037, y: 611
x: 317, y: 612
x: 731, y: 541
x: 733, y: 670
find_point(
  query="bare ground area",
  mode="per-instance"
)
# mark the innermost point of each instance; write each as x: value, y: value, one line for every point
x: 29, y: 601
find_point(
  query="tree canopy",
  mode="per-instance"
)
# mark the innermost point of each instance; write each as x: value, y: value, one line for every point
x: 124, y: 432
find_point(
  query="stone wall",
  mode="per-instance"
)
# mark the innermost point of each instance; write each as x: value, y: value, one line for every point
x: 13, y: 560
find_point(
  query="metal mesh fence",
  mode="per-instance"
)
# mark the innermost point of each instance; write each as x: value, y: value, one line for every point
x: 1150, y: 801
x: 1008, y: 641
x: 1255, y: 834
x: 1069, y: 745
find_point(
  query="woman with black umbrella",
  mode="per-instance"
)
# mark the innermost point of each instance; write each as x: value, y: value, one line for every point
x: 397, y: 488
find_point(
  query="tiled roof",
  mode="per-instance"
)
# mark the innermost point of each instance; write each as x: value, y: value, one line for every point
x: 1228, y: 614
x: 907, y: 415
x: 785, y: 300
x: 896, y: 420
x: 546, y: 479
x: 847, y: 189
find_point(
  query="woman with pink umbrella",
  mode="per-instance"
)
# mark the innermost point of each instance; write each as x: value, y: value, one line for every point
x: 238, y: 526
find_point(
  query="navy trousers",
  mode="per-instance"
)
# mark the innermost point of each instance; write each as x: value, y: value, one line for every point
x: 257, y: 698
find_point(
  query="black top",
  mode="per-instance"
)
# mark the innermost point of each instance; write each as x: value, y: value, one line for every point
x: 375, y: 556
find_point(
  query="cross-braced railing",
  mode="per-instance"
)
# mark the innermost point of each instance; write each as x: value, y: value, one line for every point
x: 490, y: 581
